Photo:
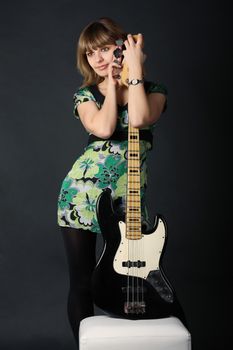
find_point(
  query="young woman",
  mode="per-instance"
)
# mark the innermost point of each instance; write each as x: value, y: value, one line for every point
x: 104, y: 106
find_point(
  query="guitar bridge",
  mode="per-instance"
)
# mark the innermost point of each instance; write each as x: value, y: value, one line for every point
x: 134, y: 307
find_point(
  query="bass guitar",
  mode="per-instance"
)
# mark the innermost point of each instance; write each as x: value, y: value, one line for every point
x: 128, y: 280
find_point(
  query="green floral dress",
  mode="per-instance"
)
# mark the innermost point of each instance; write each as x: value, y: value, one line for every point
x: 102, y: 165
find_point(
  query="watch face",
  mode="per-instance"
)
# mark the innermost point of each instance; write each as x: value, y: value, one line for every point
x: 135, y: 81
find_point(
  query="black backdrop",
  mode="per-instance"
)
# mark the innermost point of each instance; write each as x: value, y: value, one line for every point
x: 188, y: 49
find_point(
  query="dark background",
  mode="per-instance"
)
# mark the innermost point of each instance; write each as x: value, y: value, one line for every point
x: 188, y: 49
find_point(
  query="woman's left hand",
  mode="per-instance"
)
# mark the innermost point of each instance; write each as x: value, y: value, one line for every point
x: 133, y: 55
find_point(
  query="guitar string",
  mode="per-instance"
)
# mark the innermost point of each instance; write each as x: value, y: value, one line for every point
x: 127, y: 213
x: 142, y: 257
x: 132, y: 240
x: 136, y: 164
x: 140, y: 220
x: 133, y: 260
x: 129, y: 282
x: 137, y: 241
x: 136, y: 145
x: 141, y: 241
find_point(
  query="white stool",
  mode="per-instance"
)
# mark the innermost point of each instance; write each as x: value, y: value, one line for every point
x: 107, y: 333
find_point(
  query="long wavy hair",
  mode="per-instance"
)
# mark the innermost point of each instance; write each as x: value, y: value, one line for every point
x: 96, y: 34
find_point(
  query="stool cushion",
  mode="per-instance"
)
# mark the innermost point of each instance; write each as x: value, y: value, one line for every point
x: 108, y: 333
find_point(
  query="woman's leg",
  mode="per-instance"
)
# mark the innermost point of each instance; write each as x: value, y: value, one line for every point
x: 80, y: 248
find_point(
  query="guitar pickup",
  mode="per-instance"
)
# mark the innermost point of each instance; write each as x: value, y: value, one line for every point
x: 137, y: 264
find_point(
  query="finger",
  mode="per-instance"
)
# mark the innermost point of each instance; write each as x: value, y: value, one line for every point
x: 126, y: 45
x: 116, y: 64
x: 139, y: 39
x: 130, y: 39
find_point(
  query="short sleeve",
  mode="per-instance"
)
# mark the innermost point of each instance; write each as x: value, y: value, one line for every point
x: 82, y: 95
x: 158, y: 87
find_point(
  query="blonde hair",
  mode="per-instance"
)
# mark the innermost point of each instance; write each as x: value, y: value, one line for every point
x: 96, y: 34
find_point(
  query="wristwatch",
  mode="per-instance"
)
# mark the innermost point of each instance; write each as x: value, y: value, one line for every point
x: 135, y: 81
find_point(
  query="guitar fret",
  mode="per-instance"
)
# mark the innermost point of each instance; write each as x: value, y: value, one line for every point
x: 136, y: 218
x: 137, y: 225
x: 132, y: 215
x: 135, y: 228
x: 134, y: 232
x: 135, y: 222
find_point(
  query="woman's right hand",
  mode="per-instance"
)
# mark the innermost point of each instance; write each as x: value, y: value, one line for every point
x: 114, y: 70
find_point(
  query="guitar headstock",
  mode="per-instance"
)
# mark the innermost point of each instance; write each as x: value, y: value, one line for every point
x: 118, y: 53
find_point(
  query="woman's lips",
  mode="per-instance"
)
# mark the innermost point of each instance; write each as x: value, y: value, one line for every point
x: 102, y: 67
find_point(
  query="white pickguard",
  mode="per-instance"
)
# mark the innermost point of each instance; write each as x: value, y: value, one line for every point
x: 148, y: 249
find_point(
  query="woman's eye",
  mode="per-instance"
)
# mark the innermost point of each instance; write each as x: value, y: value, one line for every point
x: 105, y: 49
x: 89, y: 54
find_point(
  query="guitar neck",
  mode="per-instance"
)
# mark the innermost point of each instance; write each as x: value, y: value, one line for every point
x: 133, y: 200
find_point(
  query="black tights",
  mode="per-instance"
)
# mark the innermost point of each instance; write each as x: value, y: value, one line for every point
x: 80, y: 248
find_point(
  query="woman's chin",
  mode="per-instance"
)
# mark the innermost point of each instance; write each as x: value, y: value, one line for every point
x: 102, y: 74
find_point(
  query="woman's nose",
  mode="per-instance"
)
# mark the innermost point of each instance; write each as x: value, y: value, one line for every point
x: 98, y: 56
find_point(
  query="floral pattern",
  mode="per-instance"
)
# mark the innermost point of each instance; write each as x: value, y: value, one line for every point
x: 102, y: 165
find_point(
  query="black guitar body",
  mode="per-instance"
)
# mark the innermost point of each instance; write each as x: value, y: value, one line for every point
x: 123, y: 295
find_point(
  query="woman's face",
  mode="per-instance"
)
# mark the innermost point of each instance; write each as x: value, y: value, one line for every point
x: 100, y: 58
